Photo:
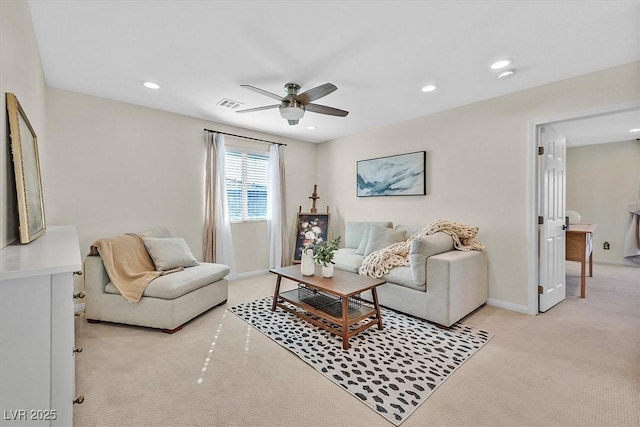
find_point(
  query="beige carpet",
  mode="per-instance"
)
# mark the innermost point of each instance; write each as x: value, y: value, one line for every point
x: 576, y: 365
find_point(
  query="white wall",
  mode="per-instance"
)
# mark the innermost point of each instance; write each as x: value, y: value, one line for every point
x: 602, y: 180
x: 109, y: 167
x: 479, y: 161
x: 113, y: 168
x: 20, y: 73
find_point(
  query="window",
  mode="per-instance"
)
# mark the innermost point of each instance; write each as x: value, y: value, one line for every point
x: 246, y: 177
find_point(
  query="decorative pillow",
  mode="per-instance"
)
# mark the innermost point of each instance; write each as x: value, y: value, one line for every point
x: 363, y: 242
x: 169, y: 252
x: 422, y: 248
x: 409, y: 229
x: 380, y: 237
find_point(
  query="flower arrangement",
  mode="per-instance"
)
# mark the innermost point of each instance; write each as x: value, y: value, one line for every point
x: 325, y: 251
x: 311, y: 232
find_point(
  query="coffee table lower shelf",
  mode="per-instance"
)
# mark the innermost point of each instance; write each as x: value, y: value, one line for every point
x: 330, y: 303
x: 330, y: 309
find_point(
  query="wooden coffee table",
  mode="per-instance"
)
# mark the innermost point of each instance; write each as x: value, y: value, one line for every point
x: 335, y: 299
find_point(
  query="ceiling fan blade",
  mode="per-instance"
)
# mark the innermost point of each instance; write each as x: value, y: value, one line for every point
x: 323, y: 109
x: 316, y: 93
x: 251, y: 110
x: 263, y: 92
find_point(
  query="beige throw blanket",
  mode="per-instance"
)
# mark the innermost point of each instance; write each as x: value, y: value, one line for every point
x: 380, y: 262
x: 128, y: 264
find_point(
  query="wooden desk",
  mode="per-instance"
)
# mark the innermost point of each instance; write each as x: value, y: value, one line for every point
x: 579, y: 247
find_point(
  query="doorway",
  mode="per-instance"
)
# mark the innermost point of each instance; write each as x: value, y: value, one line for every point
x: 535, y: 204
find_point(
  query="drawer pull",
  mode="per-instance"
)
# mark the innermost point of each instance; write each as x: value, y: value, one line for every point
x: 79, y: 399
x: 78, y: 273
x: 78, y: 313
x: 79, y: 295
x: 77, y: 350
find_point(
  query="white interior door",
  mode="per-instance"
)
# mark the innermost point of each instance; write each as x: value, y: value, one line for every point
x: 551, y: 218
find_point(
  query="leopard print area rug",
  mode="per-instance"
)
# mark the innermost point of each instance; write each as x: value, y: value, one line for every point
x: 392, y: 371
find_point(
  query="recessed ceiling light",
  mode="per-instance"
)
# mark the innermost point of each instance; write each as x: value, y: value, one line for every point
x: 500, y: 64
x: 429, y: 88
x: 311, y: 127
x: 151, y: 85
x: 634, y: 130
x: 506, y: 74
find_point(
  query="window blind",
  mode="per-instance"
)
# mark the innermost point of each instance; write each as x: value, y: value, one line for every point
x: 246, y: 178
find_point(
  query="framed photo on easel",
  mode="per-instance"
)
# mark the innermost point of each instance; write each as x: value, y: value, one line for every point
x: 311, y: 229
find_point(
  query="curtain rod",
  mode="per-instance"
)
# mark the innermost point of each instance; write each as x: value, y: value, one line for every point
x: 245, y: 137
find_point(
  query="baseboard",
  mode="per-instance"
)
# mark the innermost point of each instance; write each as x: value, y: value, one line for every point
x: 624, y: 263
x: 508, y: 306
x: 78, y: 308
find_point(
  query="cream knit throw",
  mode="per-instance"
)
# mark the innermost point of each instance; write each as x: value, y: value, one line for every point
x: 380, y: 262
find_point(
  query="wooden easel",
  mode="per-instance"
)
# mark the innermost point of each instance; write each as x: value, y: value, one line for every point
x: 306, y: 218
x: 314, y: 197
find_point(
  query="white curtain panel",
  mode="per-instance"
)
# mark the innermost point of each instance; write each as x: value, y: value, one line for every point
x: 278, y: 241
x: 209, y: 238
x: 218, y: 242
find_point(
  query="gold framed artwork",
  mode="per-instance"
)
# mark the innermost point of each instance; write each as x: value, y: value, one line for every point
x: 26, y: 164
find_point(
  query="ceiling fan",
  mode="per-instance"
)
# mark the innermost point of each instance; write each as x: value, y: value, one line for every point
x: 293, y: 105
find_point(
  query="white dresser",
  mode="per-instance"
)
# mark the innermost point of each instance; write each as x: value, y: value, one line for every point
x: 37, y: 369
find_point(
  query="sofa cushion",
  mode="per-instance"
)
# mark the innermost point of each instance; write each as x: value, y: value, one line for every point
x: 402, y: 276
x: 174, y: 285
x: 409, y: 229
x: 422, y: 248
x: 363, y: 242
x: 380, y: 237
x: 347, y: 259
x: 169, y: 252
x: 156, y: 232
x: 354, y: 230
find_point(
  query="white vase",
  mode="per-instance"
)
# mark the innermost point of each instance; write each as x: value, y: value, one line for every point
x: 307, y: 266
x: 327, y: 270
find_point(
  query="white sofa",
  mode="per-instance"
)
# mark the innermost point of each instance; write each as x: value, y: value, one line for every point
x: 441, y: 285
x: 167, y: 303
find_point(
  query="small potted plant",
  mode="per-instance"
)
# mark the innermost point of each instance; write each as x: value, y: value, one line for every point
x: 324, y: 253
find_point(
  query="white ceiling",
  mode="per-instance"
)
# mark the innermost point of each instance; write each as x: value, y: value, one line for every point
x: 601, y: 129
x: 378, y: 53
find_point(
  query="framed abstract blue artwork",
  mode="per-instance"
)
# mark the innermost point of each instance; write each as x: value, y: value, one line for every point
x: 400, y: 175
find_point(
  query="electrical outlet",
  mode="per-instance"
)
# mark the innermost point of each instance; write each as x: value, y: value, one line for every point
x: 605, y: 246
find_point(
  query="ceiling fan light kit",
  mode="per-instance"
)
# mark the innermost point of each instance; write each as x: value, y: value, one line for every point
x: 293, y: 106
x: 293, y: 111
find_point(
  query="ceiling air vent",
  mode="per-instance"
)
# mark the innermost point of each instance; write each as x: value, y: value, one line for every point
x: 229, y: 103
